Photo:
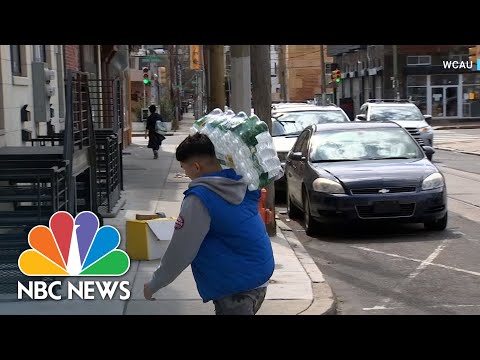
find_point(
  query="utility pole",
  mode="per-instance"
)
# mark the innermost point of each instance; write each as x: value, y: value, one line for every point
x: 395, y: 72
x: 262, y: 99
x: 241, y: 86
x: 217, y: 77
x: 322, y: 76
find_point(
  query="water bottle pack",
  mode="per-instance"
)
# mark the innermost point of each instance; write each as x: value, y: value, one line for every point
x: 242, y: 143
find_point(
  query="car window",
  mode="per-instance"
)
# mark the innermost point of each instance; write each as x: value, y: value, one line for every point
x: 300, y: 141
x: 363, y: 144
x: 295, y: 122
x: 277, y: 128
x: 399, y: 113
x: 363, y: 110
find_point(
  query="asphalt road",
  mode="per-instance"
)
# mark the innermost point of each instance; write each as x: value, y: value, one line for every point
x: 403, y: 268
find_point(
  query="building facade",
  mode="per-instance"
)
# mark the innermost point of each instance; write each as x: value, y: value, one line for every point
x: 26, y: 110
x: 423, y: 74
x: 274, y: 74
x: 300, y: 72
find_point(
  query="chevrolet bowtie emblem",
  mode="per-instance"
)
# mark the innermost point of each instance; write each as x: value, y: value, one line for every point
x: 384, y: 191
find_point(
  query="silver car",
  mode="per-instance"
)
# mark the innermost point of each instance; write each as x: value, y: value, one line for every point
x: 404, y: 113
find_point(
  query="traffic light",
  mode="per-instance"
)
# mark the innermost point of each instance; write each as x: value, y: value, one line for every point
x: 332, y: 76
x: 146, y: 75
x: 472, y: 54
x: 337, y: 75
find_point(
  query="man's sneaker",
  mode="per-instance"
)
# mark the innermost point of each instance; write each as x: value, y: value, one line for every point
x: 155, y: 154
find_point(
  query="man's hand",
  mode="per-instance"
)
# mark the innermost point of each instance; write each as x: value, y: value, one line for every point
x: 147, y: 293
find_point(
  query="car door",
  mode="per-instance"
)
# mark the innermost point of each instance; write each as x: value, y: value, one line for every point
x: 302, y: 168
x: 295, y: 168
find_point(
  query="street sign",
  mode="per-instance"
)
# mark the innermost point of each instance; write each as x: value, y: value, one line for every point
x: 159, y: 60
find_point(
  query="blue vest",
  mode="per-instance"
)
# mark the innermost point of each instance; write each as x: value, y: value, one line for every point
x: 236, y: 254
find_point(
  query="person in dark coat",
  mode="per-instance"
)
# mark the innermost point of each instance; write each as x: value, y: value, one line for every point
x: 154, y: 139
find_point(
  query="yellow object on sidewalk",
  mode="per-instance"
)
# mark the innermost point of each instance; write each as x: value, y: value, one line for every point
x: 148, y: 239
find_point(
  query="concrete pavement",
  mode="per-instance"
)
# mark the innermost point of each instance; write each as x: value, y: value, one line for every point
x: 297, y: 285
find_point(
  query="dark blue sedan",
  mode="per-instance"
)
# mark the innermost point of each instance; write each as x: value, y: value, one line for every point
x: 363, y: 172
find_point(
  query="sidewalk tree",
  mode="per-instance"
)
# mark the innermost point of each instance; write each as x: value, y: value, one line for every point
x: 262, y: 104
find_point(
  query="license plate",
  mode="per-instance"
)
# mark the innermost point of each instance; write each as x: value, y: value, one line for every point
x: 386, y: 207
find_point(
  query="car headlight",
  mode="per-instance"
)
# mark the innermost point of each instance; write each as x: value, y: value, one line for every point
x: 327, y: 186
x: 425, y: 129
x: 433, y: 181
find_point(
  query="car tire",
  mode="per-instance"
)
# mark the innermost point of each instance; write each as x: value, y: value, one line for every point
x: 437, y: 225
x: 311, y: 226
x: 293, y: 212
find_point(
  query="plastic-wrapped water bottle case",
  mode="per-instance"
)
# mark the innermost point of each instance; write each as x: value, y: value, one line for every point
x: 242, y: 143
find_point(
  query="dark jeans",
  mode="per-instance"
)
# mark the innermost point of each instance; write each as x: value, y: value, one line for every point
x: 246, y: 303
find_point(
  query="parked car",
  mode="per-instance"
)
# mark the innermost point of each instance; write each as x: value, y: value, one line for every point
x: 404, y: 113
x: 289, y: 121
x: 363, y: 171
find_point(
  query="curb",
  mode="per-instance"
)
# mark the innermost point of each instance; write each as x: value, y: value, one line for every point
x: 448, y: 127
x: 457, y: 151
x: 324, y: 301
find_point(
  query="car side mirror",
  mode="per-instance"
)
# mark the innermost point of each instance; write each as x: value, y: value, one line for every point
x: 297, y: 156
x: 427, y: 117
x: 361, y: 117
x: 428, y: 150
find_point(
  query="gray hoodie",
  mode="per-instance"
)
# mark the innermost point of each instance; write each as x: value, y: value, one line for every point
x: 193, y: 224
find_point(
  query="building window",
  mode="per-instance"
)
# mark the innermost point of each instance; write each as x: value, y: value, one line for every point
x: 471, y: 95
x: 274, y: 70
x: 458, y: 57
x: 444, y: 79
x: 419, y: 60
x: 417, y: 91
x: 40, y: 53
x: 16, y: 60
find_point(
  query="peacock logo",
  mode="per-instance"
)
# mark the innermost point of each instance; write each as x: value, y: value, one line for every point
x: 74, y: 247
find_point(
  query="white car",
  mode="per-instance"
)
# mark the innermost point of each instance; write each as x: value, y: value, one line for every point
x: 288, y: 121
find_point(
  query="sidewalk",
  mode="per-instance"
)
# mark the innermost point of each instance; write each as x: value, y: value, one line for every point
x: 297, y: 285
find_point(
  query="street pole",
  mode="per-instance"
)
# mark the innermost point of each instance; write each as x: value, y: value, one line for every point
x: 262, y: 99
x: 322, y: 76
x: 241, y: 96
x: 395, y: 73
x: 217, y: 77
x: 144, y: 97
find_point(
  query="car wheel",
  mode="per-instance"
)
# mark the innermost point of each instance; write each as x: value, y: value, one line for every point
x: 293, y: 212
x: 437, y: 225
x: 311, y: 226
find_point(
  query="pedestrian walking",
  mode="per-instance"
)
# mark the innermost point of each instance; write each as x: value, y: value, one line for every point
x: 219, y: 233
x: 154, y: 130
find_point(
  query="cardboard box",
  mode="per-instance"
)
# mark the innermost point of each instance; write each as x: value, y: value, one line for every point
x: 148, y: 239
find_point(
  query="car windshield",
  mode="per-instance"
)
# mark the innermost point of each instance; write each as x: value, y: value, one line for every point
x: 363, y: 144
x: 295, y: 122
x: 392, y: 113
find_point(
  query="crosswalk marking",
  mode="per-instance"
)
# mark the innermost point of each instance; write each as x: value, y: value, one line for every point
x: 447, y: 136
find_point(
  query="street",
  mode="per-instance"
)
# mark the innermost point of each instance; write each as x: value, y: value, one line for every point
x: 404, y: 269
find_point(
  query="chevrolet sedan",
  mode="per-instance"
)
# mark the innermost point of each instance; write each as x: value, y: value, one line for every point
x: 363, y: 172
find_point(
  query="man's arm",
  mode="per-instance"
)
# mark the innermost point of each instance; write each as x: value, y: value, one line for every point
x: 193, y: 223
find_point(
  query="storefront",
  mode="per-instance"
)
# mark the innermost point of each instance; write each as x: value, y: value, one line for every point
x: 446, y: 95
